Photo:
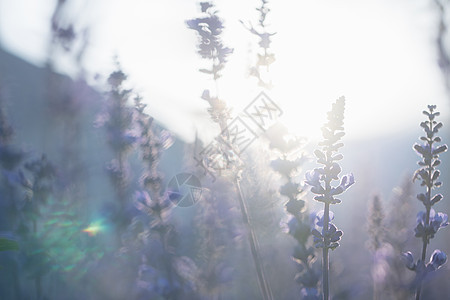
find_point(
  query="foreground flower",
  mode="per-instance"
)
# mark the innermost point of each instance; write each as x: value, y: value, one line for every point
x: 320, y: 180
x: 428, y: 221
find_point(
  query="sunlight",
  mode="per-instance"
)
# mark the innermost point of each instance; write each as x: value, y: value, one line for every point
x: 333, y: 50
x: 95, y: 228
x: 386, y: 68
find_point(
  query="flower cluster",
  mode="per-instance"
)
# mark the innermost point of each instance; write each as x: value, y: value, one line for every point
x: 428, y: 221
x: 331, y: 235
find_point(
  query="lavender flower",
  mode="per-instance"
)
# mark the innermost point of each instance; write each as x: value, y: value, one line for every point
x: 298, y: 224
x: 265, y: 56
x: 399, y: 221
x: 438, y: 258
x: 161, y: 272
x: 320, y: 180
x: 377, y: 245
x: 209, y: 29
x: 118, y: 121
x: 428, y: 222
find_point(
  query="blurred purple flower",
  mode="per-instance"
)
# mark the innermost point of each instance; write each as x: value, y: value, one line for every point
x: 436, y: 222
x: 409, y: 260
x: 438, y: 258
x: 318, y: 220
x: 346, y: 182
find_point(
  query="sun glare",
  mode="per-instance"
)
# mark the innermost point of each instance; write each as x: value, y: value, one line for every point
x: 95, y: 228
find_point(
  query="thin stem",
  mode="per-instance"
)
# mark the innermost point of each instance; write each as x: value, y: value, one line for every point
x: 426, y: 238
x: 325, y: 258
x: 326, y: 226
x: 263, y: 283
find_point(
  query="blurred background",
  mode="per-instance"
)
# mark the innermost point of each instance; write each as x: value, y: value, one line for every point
x: 390, y: 59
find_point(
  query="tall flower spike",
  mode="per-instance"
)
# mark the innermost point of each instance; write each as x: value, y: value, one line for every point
x: 298, y: 224
x: 428, y: 221
x: 320, y: 180
x: 222, y: 157
x: 118, y: 121
x: 209, y: 29
x: 376, y: 243
x: 162, y: 273
x: 265, y: 56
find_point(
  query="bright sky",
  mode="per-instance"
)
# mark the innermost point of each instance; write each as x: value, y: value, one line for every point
x: 379, y: 54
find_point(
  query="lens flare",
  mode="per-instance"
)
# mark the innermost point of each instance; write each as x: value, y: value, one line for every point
x: 94, y: 228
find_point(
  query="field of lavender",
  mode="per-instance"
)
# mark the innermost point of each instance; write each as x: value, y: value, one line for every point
x: 100, y: 198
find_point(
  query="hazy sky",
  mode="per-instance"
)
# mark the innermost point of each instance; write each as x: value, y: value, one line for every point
x: 379, y: 54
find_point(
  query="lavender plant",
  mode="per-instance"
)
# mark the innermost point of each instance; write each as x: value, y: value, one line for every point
x: 428, y: 221
x: 162, y: 272
x: 41, y: 188
x: 376, y: 229
x: 320, y: 180
x: 68, y: 38
x: 298, y: 224
x: 119, y: 124
x: 14, y: 192
x: 442, y: 36
x: 209, y: 29
x: 399, y: 219
x: 55, y: 247
x: 265, y: 56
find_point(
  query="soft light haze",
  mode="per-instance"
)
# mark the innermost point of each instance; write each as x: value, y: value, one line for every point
x: 379, y: 54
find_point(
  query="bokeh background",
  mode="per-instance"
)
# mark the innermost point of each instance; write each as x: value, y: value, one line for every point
x: 389, y: 59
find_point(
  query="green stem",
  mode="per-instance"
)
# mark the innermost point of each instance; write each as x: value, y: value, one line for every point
x: 325, y: 257
x: 426, y: 239
x: 262, y: 281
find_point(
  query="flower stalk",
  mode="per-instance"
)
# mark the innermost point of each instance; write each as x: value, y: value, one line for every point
x: 320, y: 180
x: 428, y: 221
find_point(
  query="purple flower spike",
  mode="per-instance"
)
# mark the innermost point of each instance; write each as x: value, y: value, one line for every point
x: 428, y: 221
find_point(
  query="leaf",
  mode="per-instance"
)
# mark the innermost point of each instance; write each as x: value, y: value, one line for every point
x: 338, y: 157
x: 425, y: 126
x: 316, y: 233
x: 440, y: 149
x: 333, y: 245
x: 437, y: 127
x: 435, y: 175
x: 422, y: 197
x: 205, y: 95
x: 420, y: 149
x: 320, y: 155
x: 436, y: 199
x: 206, y: 71
x: 436, y: 163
